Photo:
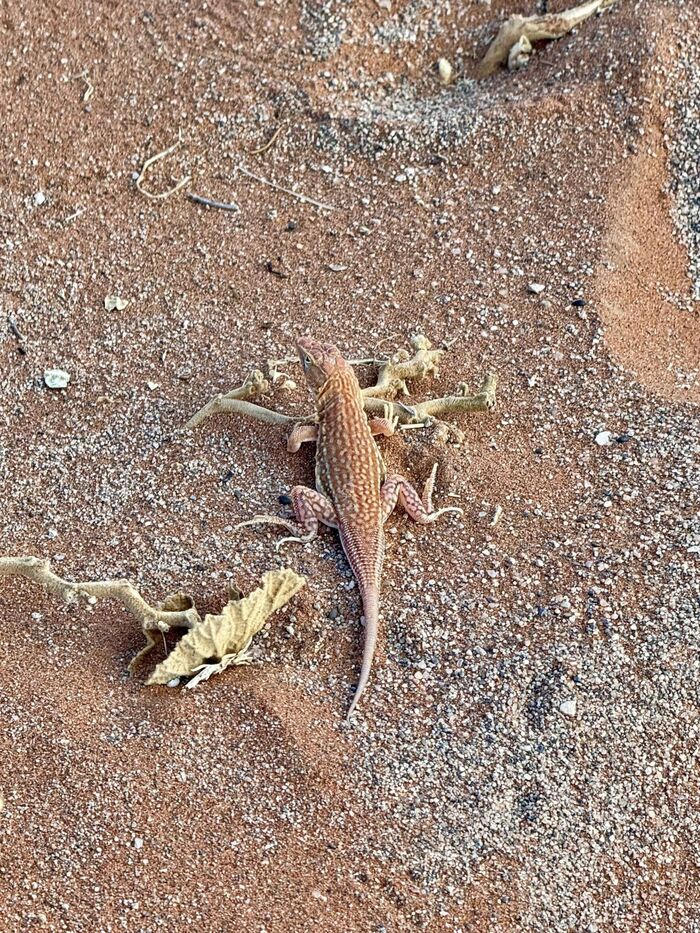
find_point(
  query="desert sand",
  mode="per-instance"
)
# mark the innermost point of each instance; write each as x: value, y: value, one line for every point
x: 525, y: 757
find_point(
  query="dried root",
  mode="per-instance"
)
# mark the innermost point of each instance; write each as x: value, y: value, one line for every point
x: 235, y: 402
x: 513, y: 44
x: 176, y: 611
x: 379, y: 399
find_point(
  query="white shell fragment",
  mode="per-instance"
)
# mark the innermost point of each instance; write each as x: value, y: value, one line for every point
x: 519, y: 54
x: 445, y: 71
x: 603, y: 438
x: 115, y: 303
x: 56, y: 378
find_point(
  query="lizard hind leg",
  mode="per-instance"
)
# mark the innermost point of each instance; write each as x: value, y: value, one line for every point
x: 420, y: 508
x: 310, y: 509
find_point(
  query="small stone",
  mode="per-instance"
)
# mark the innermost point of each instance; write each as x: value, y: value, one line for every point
x: 115, y: 303
x: 138, y: 843
x: 39, y: 199
x: 445, y: 71
x: 56, y: 378
x: 536, y: 288
x: 578, y: 303
x: 175, y: 682
x: 568, y: 707
x: 603, y: 438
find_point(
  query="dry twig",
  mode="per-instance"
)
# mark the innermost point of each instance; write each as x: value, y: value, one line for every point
x: 378, y: 399
x: 149, y: 162
x: 175, y: 612
x: 235, y: 402
x: 295, y: 194
x: 207, y: 202
x: 270, y: 143
x: 513, y: 44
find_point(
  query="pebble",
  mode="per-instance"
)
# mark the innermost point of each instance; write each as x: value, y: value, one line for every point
x: 568, y: 707
x: 536, y: 288
x: 445, y: 71
x: 56, y: 378
x: 39, y: 199
x: 604, y: 438
x: 115, y: 303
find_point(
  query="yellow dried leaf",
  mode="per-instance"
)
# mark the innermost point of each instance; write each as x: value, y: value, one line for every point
x: 227, y: 636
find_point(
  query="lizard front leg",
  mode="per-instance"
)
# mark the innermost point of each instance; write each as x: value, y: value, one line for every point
x: 310, y: 508
x: 398, y: 489
x: 301, y: 434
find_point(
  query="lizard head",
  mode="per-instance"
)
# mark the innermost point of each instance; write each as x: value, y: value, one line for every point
x: 320, y: 360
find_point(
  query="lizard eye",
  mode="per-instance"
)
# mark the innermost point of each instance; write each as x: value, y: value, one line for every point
x: 307, y: 361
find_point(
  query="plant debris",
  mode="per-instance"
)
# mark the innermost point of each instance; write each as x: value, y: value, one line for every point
x: 513, y: 44
x: 378, y: 399
x: 221, y: 640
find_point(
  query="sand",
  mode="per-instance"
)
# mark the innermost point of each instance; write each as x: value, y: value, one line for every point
x: 525, y: 755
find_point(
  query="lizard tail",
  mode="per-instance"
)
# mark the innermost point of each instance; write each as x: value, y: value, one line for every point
x: 370, y: 604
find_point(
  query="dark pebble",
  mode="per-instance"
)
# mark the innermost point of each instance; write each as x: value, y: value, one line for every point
x: 623, y: 438
x: 284, y: 499
x: 578, y: 303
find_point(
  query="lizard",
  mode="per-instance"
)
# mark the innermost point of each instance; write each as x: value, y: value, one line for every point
x: 353, y: 492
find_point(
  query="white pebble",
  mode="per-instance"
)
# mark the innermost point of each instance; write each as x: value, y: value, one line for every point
x: 536, y: 288
x: 39, y: 199
x: 603, y: 438
x: 445, y: 71
x: 56, y: 378
x: 568, y: 707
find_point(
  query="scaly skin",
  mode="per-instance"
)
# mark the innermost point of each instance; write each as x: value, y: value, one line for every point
x: 349, y: 494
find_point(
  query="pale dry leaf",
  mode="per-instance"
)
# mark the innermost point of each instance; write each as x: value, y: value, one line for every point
x: 228, y: 635
x: 177, y: 602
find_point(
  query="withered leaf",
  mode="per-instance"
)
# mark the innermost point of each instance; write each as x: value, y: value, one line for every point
x: 226, y: 637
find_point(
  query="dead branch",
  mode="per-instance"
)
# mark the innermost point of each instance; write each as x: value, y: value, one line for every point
x: 235, y: 402
x: 270, y: 143
x: 150, y: 617
x: 378, y: 399
x: 208, y: 202
x: 393, y: 373
x: 513, y: 42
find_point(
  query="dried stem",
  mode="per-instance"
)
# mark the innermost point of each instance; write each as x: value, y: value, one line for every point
x: 150, y: 617
x: 295, y: 194
x: 149, y: 162
x: 531, y: 29
x: 234, y: 402
x: 393, y: 373
x: 270, y: 143
x: 379, y: 399
x: 208, y: 202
